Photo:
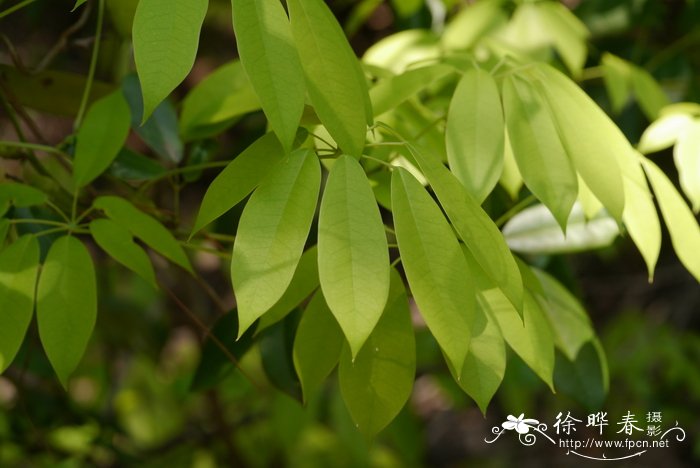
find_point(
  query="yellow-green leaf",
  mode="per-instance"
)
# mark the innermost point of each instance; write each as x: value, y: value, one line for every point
x: 19, y: 266
x: 145, y: 227
x: 238, y: 179
x: 166, y: 39
x: 686, y: 155
x: 66, y: 305
x: 100, y: 137
x: 334, y: 79
x: 353, y: 255
x: 437, y: 272
x: 542, y: 161
x: 116, y: 240
x: 390, y: 92
x: 378, y: 382
x: 317, y: 345
x: 474, y: 134
x: 270, y: 59
x: 271, y: 234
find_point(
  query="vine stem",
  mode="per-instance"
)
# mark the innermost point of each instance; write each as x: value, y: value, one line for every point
x: 93, y: 65
x: 12, y: 9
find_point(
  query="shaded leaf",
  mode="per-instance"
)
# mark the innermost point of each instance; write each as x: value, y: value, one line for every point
x: 129, y: 165
x: 390, y: 92
x: 582, y: 378
x: 649, y: 94
x: 21, y: 195
x: 66, y: 305
x: 276, y: 350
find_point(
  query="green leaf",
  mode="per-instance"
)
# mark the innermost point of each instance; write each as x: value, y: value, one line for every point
x: 21, y: 195
x: 590, y: 138
x: 534, y: 231
x: 166, y: 38
x: 474, y: 227
x: 270, y: 59
x: 144, y: 227
x: 276, y: 351
x: 472, y: 23
x: 570, y: 324
x: 215, y: 364
x: 116, y: 240
x: 66, y: 305
x: 317, y: 345
x: 378, y: 382
x: 531, y: 338
x: 218, y: 99
x: 650, y: 95
x: 353, y: 255
x: 4, y: 228
x: 582, y: 378
x: 133, y: 166
x: 684, y: 230
x: 437, y: 272
x: 160, y: 131
x: 77, y: 4
x: 485, y: 364
x: 511, y: 179
x: 567, y: 33
x: 664, y: 132
x: 238, y: 179
x: 391, y: 92
x: 100, y: 137
x: 19, y: 267
x: 335, y: 82
x: 686, y: 155
x: 616, y: 76
x: 271, y: 234
x: 474, y: 133
x: 304, y: 282
x: 542, y: 161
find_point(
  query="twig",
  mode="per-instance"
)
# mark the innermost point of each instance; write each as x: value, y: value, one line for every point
x: 12, y: 9
x: 93, y: 65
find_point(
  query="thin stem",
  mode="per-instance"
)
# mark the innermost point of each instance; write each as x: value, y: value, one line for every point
x: 323, y: 140
x: 93, y: 65
x: 44, y: 222
x: 58, y: 211
x: 74, y: 208
x: 184, y: 170
x: 515, y: 209
x: 395, y: 262
x: 33, y: 147
x: 12, y: 9
x: 84, y: 214
x: 377, y: 161
x: 51, y: 231
x: 592, y: 73
x: 388, y: 229
x: 208, y: 250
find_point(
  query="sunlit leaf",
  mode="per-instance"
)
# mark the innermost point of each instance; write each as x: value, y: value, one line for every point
x: 616, y: 76
x: 353, y: 256
x: 686, y: 155
x: 19, y: 266
x: 378, y: 382
x: 472, y: 23
x: 390, y: 92
x: 437, y: 272
x: 166, y: 39
x: 271, y: 234
x: 664, y: 132
x: 66, y: 305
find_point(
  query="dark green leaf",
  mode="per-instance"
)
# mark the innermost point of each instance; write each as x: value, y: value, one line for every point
x: 276, y: 350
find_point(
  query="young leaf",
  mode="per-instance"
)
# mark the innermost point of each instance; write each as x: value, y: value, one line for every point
x: 146, y: 228
x: 216, y: 100
x: 378, y: 382
x: 166, y: 38
x: 19, y: 266
x: 391, y: 92
x: 335, y: 82
x: 353, y: 255
x: 485, y: 364
x: 542, y: 161
x: 474, y: 226
x: 317, y: 345
x: 531, y: 339
x: 534, y: 231
x: 268, y: 55
x: 271, y: 234
x: 686, y: 155
x: 685, y: 234
x: 66, y: 304
x: 474, y: 133
x: 100, y: 137
x: 437, y: 272
x: 238, y: 179
x: 591, y: 139
x: 116, y: 240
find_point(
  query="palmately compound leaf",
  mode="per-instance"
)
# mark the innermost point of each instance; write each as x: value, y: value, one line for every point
x: 270, y: 59
x: 166, y: 39
x: 144, y: 227
x: 238, y: 179
x: 353, y: 255
x: 542, y: 161
x: 19, y: 266
x: 66, y: 305
x: 591, y: 139
x: 117, y: 241
x: 682, y: 226
x: 437, y: 272
x: 100, y: 137
x: 474, y: 134
x: 271, y: 234
x: 378, y: 382
x: 334, y: 79
x: 317, y: 345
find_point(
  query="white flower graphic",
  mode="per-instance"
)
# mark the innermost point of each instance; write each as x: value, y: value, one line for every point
x: 522, y: 426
